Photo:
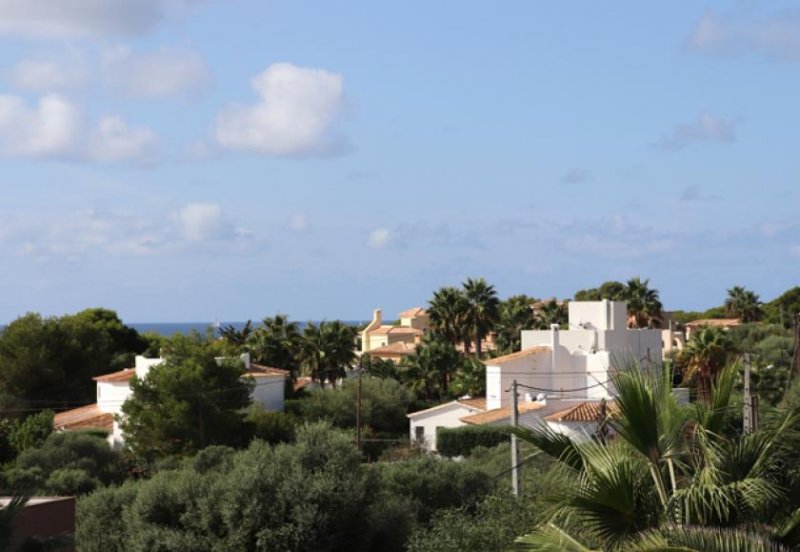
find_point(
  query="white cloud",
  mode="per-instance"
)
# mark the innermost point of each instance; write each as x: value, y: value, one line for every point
x: 776, y: 36
x: 45, y: 76
x: 167, y: 72
x: 295, y: 115
x: 707, y: 128
x: 299, y: 222
x: 203, y: 221
x: 379, y: 238
x: 51, y: 128
x: 79, y: 18
x: 56, y: 128
x: 114, y: 140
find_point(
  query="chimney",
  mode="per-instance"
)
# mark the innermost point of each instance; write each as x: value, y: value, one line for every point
x: 377, y: 318
x: 418, y: 339
x: 554, y: 344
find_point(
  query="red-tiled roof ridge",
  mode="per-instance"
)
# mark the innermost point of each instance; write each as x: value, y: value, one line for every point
x: 497, y: 414
x: 261, y: 370
x: 412, y: 312
x: 514, y: 356
x: 85, y: 417
x: 122, y: 375
x: 584, y: 411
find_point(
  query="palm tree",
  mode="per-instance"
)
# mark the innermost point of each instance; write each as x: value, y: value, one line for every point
x: 327, y: 350
x: 551, y: 312
x: 378, y: 367
x: 670, y: 479
x: 277, y: 343
x: 644, y: 307
x: 470, y: 379
x: 483, y: 309
x: 705, y: 356
x: 743, y: 304
x: 515, y: 315
x: 448, y: 311
x: 428, y: 369
x: 235, y: 337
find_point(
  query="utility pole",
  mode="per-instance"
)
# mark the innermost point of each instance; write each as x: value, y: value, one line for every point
x: 358, y: 407
x: 747, y: 418
x: 515, y: 482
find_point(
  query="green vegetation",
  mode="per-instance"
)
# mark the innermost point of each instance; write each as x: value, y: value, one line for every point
x: 461, y: 441
x: 204, y: 469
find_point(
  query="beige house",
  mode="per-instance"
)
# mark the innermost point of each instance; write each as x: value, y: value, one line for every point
x: 724, y: 323
x: 393, y: 342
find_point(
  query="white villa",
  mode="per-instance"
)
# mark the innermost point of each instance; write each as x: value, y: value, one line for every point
x: 563, y: 375
x: 114, y: 389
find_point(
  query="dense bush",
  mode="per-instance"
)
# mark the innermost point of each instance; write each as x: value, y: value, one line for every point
x: 384, y: 404
x: 460, y: 441
x: 33, y: 431
x: 269, y: 426
x: 66, y: 463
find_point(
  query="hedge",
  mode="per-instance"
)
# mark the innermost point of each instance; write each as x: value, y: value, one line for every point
x: 460, y: 441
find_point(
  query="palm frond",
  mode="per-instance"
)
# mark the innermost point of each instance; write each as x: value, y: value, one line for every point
x: 554, y: 444
x: 549, y: 538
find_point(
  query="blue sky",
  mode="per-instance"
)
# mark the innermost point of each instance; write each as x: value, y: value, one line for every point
x: 185, y: 160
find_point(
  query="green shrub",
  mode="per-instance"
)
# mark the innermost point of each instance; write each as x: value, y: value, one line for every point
x: 33, y: 431
x: 460, y: 441
x: 272, y: 427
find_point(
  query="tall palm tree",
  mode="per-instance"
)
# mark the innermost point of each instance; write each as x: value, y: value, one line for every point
x: 277, y: 343
x: 327, y: 350
x: 705, y: 356
x: 670, y: 479
x: 551, y: 312
x: 448, y: 313
x: 235, y: 337
x: 483, y: 308
x: 427, y: 371
x: 644, y: 307
x: 743, y: 304
x: 515, y: 315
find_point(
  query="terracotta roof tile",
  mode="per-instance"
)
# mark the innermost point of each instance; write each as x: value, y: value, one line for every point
x: 587, y: 411
x: 717, y: 322
x: 498, y: 414
x: 472, y: 404
x: 412, y: 312
x: 395, y: 330
x: 396, y: 349
x: 122, y: 375
x: 85, y: 417
x: 259, y: 371
x: 515, y: 356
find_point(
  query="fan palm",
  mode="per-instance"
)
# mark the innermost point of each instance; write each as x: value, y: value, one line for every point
x: 327, y: 350
x: 743, y: 304
x: 551, y: 312
x: 428, y: 369
x: 234, y: 336
x: 705, y: 355
x: 483, y: 309
x: 277, y: 343
x: 669, y: 480
x: 515, y: 315
x: 644, y: 307
x: 448, y: 314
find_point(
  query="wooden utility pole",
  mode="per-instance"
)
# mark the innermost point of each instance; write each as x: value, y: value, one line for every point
x: 747, y: 418
x: 358, y: 409
x: 515, y: 480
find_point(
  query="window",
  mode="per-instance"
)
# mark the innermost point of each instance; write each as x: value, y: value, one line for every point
x: 419, y: 433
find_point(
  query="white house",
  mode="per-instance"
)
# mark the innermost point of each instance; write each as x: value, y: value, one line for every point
x: 114, y: 389
x: 562, y: 374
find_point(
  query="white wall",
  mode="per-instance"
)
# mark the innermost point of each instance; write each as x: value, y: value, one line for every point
x: 269, y: 391
x: 111, y: 395
x: 445, y: 416
x: 534, y: 370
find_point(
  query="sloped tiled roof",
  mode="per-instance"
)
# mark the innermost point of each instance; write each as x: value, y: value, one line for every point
x: 396, y: 349
x: 395, y: 330
x: 85, y: 417
x: 259, y: 371
x: 717, y: 322
x: 497, y: 414
x: 515, y: 356
x: 473, y: 404
x: 114, y: 377
x: 587, y: 411
x: 412, y: 312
